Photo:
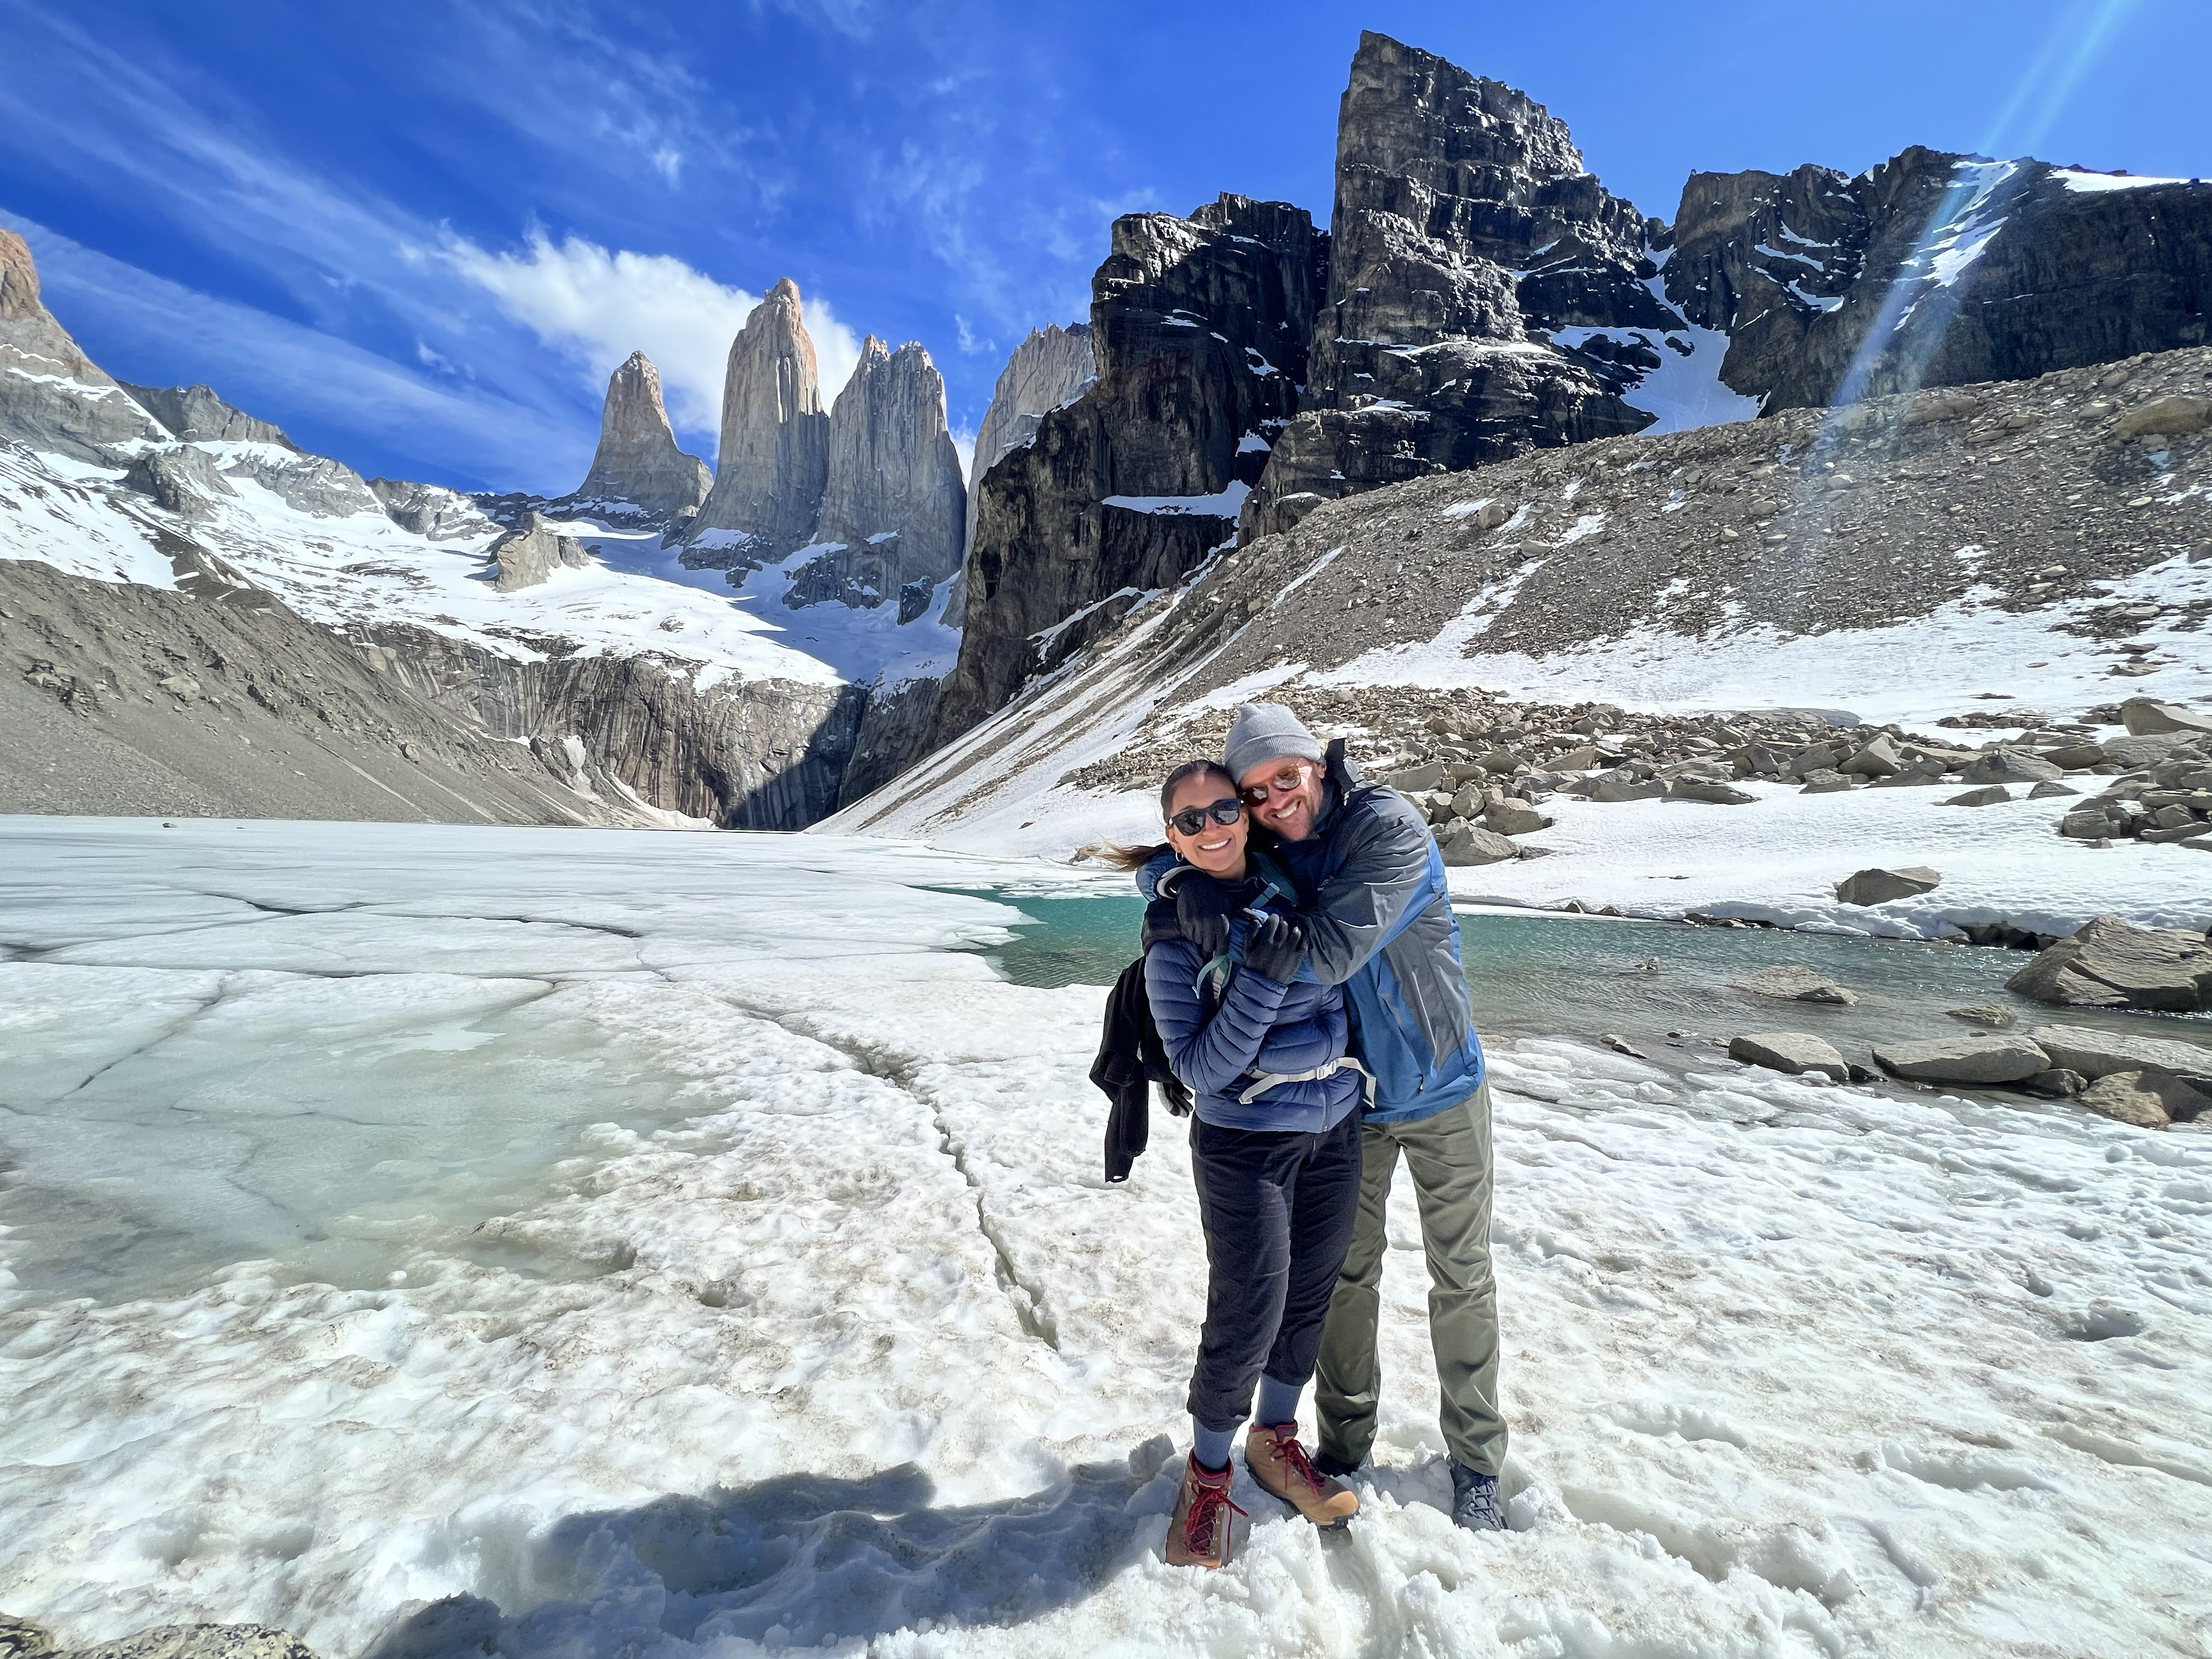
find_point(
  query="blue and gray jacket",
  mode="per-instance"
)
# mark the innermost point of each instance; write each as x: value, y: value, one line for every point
x: 1379, y: 923
x: 1249, y: 1047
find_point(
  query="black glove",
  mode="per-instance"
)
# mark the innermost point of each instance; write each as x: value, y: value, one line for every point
x: 1199, y: 914
x: 1275, y: 947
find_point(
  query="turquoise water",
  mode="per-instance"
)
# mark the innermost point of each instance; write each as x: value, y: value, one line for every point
x: 1659, y: 985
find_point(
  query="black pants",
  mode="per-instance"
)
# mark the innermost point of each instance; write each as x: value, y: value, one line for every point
x: 1278, y: 1212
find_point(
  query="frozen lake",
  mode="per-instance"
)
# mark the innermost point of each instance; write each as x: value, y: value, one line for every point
x: 611, y: 1243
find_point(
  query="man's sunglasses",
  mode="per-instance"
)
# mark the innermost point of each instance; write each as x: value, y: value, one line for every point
x: 1192, y: 819
x: 1288, y: 781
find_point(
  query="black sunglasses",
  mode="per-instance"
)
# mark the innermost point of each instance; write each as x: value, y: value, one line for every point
x: 1192, y: 819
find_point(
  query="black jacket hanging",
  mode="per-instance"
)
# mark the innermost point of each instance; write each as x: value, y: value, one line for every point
x: 1131, y: 1058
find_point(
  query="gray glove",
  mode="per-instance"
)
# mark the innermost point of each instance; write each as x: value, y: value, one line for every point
x: 1275, y: 947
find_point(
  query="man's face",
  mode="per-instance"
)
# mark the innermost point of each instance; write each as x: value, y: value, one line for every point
x: 1283, y: 795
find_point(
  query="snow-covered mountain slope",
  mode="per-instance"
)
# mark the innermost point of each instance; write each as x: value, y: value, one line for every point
x: 620, y: 694
x: 824, y: 1331
x: 2034, y: 545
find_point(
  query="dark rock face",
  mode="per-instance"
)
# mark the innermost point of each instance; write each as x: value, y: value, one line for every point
x: 1048, y: 369
x: 894, y: 504
x: 1199, y: 328
x: 891, y: 735
x: 775, y: 455
x: 1937, y: 270
x: 1762, y: 257
x: 1448, y: 185
x: 638, y: 462
x: 196, y: 415
x: 743, y: 754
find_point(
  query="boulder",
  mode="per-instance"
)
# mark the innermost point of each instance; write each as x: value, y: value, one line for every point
x: 182, y: 477
x: 2097, y: 1053
x: 1880, y: 885
x: 2173, y: 416
x: 1515, y: 817
x: 2144, y: 716
x: 1410, y: 780
x: 2149, y: 1099
x: 2050, y: 788
x: 1826, y: 781
x: 1989, y: 795
x: 1995, y: 1015
x: 2076, y: 756
x: 1793, y: 1052
x: 2111, y: 964
x: 1622, y: 785
x: 1815, y: 757
x: 2086, y: 822
x: 1474, y: 846
x: 531, y: 552
x: 2147, y: 749
x: 1793, y: 983
x: 1966, y: 1060
x: 1878, y: 759
x: 2008, y: 766
x: 1721, y: 794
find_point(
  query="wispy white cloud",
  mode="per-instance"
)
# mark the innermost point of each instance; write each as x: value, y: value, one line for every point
x: 595, y: 308
x: 324, y: 386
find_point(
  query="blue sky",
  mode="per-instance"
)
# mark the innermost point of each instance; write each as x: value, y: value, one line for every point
x: 419, y: 235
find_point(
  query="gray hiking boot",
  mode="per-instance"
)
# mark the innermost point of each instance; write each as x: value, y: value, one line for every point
x: 1474, y: 1500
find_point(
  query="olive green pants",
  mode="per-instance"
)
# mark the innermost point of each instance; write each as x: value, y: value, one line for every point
x: 1449, y: 1156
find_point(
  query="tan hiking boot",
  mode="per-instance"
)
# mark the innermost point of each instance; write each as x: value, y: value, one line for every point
x: 1280, y: 1465
x: 1198, y: 1532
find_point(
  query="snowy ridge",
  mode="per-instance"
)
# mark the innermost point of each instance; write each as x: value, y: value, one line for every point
x: 359, y: 570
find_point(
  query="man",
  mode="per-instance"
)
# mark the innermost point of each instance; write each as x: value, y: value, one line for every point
x: 1379, y: 922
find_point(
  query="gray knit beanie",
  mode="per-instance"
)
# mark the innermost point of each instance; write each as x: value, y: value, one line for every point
x: 1263, y: 732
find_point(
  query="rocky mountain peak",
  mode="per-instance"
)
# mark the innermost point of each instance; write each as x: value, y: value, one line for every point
x: 1048, y: 369
x: 1464, y: 220
x: 57, y: 398
x: 638, y: 461
x: 893, y: 507
x: 195, y: 414
x: 1199, y: 326
x: 775, y: 455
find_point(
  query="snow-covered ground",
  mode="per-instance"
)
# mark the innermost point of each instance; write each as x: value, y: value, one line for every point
x: 828, y: 1330
x: 866, y: 646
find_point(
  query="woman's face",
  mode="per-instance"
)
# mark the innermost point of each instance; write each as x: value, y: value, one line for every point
x: 1216, y: 849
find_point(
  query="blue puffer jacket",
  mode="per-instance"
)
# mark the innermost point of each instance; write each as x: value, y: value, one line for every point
x: 1379, y: 923
x: 1220, y: 1035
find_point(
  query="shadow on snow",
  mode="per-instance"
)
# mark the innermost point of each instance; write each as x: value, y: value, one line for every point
x: 798, y: 1560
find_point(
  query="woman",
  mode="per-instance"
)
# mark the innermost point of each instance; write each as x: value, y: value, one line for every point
x: 1274, y: 1149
